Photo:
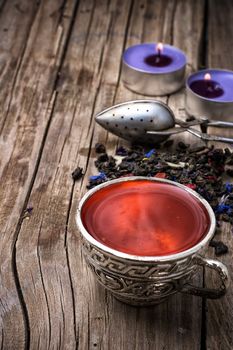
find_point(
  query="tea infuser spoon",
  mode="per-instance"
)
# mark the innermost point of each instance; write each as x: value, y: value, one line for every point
x: 150, y: 121
x: 131, y: 120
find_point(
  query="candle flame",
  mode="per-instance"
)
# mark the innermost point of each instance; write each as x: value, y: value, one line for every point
x: 207, y: 76
x: 159, y: 47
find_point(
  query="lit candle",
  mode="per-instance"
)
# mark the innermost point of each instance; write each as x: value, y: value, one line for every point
x: 209, y: 94
x: 153, y: 69
x: 207, y: 87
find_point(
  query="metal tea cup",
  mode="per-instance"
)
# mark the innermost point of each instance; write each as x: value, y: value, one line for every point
x: 147, y: 280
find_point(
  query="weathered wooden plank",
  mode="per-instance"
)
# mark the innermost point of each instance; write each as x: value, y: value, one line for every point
x: 126, y: 327
x: 150, y: 21
x: 67, y: 304
x: 188, y: 38
x: 28, y: 73
x: 141, y: 332
x: 15, y: 24
x: 219, y: 313
x: 88, y: 83
x: 219, y: 38
x: 178, y: 321
x: 113, y: 324
x: 14, y: 28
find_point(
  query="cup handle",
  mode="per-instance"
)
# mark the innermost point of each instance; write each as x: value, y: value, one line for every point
x: 208, y: 292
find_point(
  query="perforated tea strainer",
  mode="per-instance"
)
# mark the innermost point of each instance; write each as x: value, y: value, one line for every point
x: 151, y: 121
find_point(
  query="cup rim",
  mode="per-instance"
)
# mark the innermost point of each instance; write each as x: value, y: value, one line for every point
x: 164, y: 258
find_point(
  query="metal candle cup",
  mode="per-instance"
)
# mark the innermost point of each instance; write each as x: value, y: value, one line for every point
x: 139, y: 74
x: 145, y: 280
x: 213, y: 107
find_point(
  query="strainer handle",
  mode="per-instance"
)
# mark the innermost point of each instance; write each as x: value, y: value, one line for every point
x: 209, y: 292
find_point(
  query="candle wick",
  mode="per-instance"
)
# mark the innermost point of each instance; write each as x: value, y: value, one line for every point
x: 158, y: 56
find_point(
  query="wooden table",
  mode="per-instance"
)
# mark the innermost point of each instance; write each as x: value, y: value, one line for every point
x: 60, y: 63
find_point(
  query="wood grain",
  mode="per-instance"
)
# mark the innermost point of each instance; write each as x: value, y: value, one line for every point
x: 89, y: 81
x: 161, y: 328
x: 60, y: 64
x: 29, y: 75
x: 63, y: 283
x: 14, y: 28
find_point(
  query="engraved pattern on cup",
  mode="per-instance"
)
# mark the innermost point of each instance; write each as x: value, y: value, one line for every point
x: 137, y: 283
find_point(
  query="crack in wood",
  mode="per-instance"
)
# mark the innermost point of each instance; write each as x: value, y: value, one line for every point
x: 43, y: 286
x: 203, y: 50
x: 203, y: 318
x: 124, y: 46
x: 2, y: 339
x: 21, y: 299
x: 2, y: 4
x: 203, y: 61
x: 172, y: 27
x: 71, y: 284
x: 88, y: 29
x: 68, y: 264
x: 66, y: 44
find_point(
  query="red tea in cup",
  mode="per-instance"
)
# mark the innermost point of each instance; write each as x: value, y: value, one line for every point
x: 145, y: 218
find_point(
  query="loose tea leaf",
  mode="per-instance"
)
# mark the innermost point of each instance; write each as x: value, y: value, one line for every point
x: 100, y: 148
x: 199, y: 168
x: 121, y: 151
x: 219, y: 246
x: 77, y: 174
x: 27, y: 213
x: 182, y: 145
x: 191, y: 118
x: 29, y: 210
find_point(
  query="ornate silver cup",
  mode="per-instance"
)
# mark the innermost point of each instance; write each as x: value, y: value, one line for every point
x: 147, y: 280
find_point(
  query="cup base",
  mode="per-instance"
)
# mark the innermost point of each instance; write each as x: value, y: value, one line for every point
x: 139, y: 303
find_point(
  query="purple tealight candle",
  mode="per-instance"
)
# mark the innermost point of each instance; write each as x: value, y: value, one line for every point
x: 209, y: 93
x: 153, y: 69
x: 207, y: 87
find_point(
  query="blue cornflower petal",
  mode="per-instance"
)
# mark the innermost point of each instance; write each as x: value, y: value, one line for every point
x: 222, y: 208
x: 150, y: 153
x: 228, y: 187
x: 101, y: 176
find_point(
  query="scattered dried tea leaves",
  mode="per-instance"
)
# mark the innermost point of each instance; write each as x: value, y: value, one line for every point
x: 200, y: 168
